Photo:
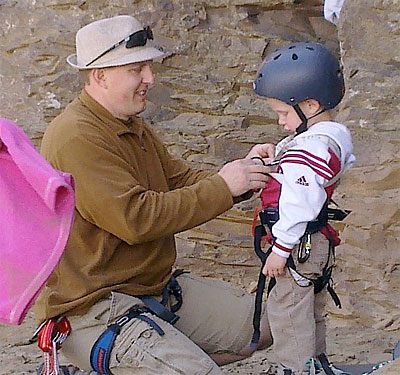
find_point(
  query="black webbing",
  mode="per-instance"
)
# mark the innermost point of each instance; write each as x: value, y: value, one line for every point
x: 325, y: 364
x: 259, y: 232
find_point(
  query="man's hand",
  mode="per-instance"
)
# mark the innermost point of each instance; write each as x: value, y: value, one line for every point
x: 263, y: 151
x: 244, y: 175
x: 274, y: 266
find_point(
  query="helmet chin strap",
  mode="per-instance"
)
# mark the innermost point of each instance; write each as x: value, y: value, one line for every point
x: 304, y: 120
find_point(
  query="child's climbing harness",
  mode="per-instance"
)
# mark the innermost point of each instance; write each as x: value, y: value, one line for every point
x: 269, y: 215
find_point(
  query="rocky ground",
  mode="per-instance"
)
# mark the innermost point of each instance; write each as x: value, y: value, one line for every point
x: 346, y: 344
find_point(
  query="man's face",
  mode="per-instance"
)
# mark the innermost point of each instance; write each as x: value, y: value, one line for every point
x: 126, y: 88
x: 287, y: 116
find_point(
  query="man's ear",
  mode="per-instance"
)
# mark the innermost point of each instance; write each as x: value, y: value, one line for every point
x: 99, y: 77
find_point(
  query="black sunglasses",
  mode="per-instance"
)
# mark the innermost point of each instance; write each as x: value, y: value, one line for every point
x: 137, y: 39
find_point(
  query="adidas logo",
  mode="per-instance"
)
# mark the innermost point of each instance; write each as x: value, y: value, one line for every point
x: 302, y: 181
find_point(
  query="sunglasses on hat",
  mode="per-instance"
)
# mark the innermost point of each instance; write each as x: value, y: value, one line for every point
x: 137, y: 39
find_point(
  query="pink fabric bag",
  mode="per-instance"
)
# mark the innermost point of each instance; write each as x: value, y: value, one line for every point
x: 36, y: 216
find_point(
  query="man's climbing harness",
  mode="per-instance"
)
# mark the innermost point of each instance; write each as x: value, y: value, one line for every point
x: 101, y: 350
x: 52, y: 333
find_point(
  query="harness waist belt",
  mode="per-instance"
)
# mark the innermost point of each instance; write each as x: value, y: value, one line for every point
x: 269, y: 216
x: 101, y: 350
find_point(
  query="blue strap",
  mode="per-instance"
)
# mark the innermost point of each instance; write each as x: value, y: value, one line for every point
x: 101, y: 350
x: 159, y: 309
x: 152, y: 324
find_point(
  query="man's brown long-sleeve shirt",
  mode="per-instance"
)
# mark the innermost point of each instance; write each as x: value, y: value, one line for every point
x: 131, y: 198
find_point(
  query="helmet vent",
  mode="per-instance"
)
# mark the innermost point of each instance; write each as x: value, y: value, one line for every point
x: 294, y: 56
x: 277, y: 57
x: 310, y: 48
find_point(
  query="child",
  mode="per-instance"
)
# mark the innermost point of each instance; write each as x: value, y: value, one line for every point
x: 302, y: 83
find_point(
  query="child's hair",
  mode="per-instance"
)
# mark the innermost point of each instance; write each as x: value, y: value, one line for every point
x: 301, y: 71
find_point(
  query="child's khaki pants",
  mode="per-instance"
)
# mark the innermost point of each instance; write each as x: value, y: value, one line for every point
x: 296, y: 314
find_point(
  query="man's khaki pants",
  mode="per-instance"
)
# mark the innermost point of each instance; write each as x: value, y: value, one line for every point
x: 215, y: 317
x: 296, y: 314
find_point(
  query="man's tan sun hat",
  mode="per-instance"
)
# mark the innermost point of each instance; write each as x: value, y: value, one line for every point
x: 111, y: 42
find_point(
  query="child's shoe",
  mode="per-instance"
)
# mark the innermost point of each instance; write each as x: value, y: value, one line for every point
x: 321, y: 366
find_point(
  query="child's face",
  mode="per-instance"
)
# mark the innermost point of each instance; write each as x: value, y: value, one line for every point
x: 287, y: 116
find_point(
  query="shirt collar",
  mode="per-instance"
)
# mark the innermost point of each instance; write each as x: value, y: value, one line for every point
x: 120, y: 127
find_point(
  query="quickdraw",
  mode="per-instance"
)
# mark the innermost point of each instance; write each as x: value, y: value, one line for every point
x: 52, y: 333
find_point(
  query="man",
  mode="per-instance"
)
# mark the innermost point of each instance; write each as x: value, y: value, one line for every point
x: 132, y: 196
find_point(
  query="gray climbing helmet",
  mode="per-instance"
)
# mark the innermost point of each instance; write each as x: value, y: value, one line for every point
x: 301, y: 71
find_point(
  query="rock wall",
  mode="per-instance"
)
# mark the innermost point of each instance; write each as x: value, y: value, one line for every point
x: 369, y: 35
x: 203, y: 107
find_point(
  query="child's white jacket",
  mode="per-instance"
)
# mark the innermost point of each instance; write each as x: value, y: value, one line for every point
x: 308, y: 166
